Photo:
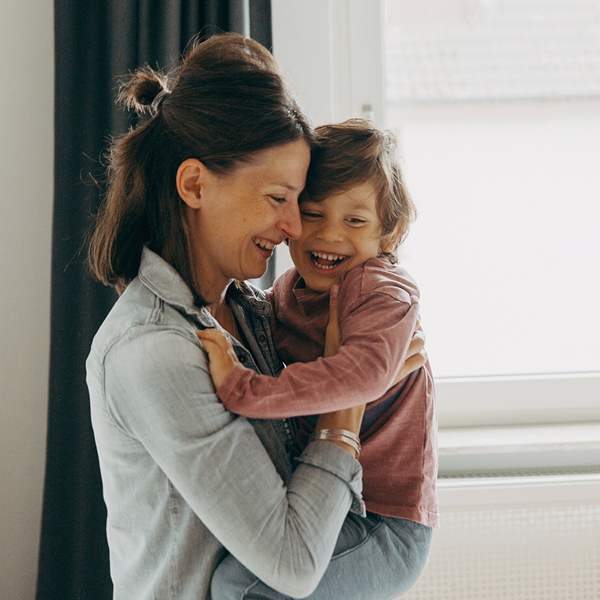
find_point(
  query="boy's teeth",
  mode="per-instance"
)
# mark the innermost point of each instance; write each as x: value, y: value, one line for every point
x: 328, y: 256
x: 326, y: 261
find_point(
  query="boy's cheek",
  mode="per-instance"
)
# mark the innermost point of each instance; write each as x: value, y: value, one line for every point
x: 295, y: 248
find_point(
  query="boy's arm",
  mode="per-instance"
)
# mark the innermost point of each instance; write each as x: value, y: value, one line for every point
x: 375, y: 337
x: 222, y: 357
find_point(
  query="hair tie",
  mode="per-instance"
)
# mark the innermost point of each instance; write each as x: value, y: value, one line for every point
x: 158, y: 100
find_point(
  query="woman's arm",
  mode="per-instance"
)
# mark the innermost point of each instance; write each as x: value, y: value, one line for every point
x: 161, y: 395
x: 333, y: 343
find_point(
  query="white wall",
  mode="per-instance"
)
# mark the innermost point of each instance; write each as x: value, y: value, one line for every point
x: 26, y: 181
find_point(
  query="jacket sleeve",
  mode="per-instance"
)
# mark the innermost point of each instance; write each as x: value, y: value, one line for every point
x: 161, y: 395
x: 376, y: 333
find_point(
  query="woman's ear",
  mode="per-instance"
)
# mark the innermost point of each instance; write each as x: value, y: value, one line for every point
x: 191, y: 177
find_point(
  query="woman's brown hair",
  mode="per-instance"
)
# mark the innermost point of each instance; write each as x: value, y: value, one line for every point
x: 226, y: 102
x: 358, y: 151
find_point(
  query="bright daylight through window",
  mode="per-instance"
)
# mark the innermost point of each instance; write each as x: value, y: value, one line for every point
x: 497, y: 107
x: 496, y: 104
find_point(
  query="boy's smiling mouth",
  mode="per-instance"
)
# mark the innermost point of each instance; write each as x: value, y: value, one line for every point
x: 326, y: 260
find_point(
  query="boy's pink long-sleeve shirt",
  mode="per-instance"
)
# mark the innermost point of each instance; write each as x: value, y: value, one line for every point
x: 378, y: 308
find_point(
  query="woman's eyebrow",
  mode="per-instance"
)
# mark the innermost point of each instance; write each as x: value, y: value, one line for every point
x: 287, y: 186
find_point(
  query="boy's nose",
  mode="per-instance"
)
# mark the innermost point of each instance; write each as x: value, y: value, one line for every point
x: 330, y: 232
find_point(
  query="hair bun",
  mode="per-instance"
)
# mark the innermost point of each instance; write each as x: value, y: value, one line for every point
x: 139, y: 91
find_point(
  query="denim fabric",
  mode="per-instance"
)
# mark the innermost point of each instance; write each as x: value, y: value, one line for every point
x: 375, y: 558
x: 185, y: 480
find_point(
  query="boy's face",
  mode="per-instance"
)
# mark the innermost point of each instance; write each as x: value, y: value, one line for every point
x: 338, y: 233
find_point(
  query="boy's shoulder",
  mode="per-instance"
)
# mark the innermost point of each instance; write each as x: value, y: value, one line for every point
x: 380, y: 276
x: 284, y: 284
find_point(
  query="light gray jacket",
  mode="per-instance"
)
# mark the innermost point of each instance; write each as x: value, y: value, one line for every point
x: 184, y: 479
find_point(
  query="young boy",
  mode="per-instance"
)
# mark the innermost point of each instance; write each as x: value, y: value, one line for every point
x: 355, y: 213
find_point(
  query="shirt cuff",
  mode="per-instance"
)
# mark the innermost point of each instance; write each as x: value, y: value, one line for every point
x: 330, y: 457
x: 228, y: 388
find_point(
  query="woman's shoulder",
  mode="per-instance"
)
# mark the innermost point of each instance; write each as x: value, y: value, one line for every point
x: 139, y: 314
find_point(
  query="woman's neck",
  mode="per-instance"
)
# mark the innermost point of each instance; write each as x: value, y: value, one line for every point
x: 224, y: 316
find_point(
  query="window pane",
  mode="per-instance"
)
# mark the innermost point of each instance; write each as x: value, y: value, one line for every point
x: 506, y: 248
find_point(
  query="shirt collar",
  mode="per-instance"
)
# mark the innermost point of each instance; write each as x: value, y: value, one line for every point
x: 164, y: 281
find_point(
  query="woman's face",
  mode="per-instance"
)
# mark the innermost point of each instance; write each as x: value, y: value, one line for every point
x: 244, y: 214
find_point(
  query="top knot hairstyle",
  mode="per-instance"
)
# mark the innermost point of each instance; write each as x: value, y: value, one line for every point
x: 140, y: 91
x: 224, y: 103
x: 355, y: 152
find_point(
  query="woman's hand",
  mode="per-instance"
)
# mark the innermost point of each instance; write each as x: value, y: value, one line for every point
x: 221, y: 355
x: 416, y: 355
x: 333, y: 335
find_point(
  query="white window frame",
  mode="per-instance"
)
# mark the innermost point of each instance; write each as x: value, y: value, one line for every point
x: 332, y: 54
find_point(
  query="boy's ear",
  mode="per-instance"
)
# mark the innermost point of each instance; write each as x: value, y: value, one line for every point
x: 191, y: 177
x: 388, y: 242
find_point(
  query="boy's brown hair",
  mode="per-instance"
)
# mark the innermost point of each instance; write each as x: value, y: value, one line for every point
x: 358, y: 151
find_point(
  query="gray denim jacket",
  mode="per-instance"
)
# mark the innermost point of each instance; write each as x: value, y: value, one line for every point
x: 184, y: 479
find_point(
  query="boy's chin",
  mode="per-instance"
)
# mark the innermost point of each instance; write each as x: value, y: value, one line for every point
x: 318, y: 284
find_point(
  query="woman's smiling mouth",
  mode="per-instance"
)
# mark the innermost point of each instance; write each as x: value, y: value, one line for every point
x: 265, y: 246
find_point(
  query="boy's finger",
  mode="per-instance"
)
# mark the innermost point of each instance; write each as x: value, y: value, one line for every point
x: 210, y: 346
x: 214, y: 336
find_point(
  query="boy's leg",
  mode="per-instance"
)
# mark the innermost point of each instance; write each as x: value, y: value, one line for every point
x: 376, y: 558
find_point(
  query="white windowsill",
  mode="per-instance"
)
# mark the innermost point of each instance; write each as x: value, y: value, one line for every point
x: 515, y: 453
x: 518, y: 448
x: 532, y: 438
x: 518, y: 491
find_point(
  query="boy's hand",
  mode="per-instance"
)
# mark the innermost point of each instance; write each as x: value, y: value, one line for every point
x: 221, y: 354
x: 333, y: 335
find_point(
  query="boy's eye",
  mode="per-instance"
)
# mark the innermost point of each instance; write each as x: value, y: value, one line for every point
x: 356, y: 221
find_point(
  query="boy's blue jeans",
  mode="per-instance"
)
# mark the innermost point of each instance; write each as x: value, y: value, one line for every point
x: 376, y: 558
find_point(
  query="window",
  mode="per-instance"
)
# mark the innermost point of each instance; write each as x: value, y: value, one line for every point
x: 497, y: 109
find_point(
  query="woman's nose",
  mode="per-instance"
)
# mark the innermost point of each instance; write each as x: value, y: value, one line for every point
x: 290, y: 222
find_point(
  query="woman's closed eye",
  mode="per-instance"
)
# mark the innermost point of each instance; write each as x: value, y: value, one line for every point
x: 278, y: 200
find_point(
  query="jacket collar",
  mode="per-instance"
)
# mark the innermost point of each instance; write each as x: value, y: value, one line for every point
x: 164, y: 281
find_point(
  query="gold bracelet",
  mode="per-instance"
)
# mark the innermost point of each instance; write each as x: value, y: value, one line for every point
x: 339, y: 435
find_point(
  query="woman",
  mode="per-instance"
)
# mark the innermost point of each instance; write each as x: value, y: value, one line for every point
x: 198, y: 197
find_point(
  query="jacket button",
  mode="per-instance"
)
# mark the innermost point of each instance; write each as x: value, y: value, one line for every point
x: 262, y: 338
x: 243, y: 358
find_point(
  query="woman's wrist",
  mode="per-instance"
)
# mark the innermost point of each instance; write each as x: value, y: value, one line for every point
x: 349, y: 419
x: 338, y: 435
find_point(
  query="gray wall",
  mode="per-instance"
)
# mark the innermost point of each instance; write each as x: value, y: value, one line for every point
x: 26, y: 154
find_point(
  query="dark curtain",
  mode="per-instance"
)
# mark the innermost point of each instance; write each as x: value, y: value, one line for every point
x: 96, y: 42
